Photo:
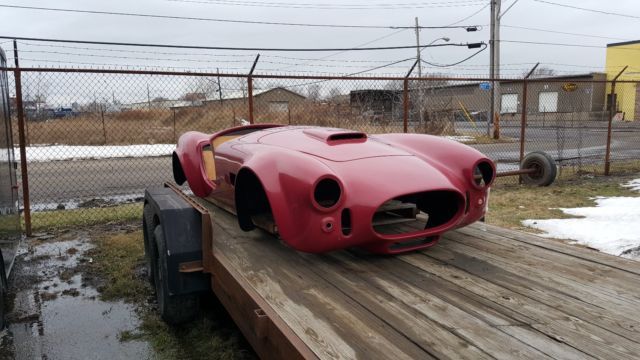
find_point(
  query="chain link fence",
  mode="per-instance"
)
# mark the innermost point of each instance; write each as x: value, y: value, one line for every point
x: 95, y: 139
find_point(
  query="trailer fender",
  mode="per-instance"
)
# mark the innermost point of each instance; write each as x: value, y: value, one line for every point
x: 182, y: 229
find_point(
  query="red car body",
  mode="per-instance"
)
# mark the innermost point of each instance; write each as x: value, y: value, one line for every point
x: 324, y: 187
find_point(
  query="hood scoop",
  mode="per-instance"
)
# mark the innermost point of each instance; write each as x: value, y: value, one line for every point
x: 336, y: 136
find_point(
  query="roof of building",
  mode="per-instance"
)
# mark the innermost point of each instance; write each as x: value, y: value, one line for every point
x: 632, y: 42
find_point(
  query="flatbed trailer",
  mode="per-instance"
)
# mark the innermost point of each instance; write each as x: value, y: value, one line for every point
x: 483, y: 292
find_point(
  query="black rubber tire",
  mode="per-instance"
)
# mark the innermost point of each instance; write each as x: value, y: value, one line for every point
x: 149, y: 244
x: 544, y: 164
x: 176, y: 309
x: 4, y: 288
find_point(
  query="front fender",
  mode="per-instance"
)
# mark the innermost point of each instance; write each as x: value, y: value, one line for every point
x: 287, y: 178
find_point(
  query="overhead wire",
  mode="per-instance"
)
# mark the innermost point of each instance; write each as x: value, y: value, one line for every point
x: 588, y: 9
x: 458, y: 62
x: 228, y: 47
x: 195, y: 18
x: 320, y: 6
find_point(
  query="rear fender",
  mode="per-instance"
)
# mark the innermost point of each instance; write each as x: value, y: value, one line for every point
x: 187, y: 163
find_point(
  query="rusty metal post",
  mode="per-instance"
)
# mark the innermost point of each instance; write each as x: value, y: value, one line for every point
x: 104, y: 127
x: 405, y: 98
x: 174, y: 124
x: 250, y: 88
x: 250, y: 95
x: 21, y: 136
x: 405, y: 105
x: 523, y: 120
x: 612, y: 105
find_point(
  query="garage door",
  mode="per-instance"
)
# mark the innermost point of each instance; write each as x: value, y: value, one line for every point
x: 509, y: 103
x: 548, y: 101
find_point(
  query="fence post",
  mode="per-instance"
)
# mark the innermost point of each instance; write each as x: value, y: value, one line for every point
x: 250, y: 88
x: 250, y: 95
x: 612, y: 105
x: 104, y: 128
x: 523, y: 120
x: 174, y: 124
x: 405, y: 105
x: 21, y: 138
x: 405, y: 98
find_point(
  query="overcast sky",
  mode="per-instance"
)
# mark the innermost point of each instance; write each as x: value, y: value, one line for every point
x: 526, y: 13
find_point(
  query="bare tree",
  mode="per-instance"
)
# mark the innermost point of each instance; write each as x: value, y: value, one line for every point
x: 313, y: 92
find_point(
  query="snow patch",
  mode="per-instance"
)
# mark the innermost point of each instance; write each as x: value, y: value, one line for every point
x: 612, y: 226
x: 460, y: 138
x: 69, y: 152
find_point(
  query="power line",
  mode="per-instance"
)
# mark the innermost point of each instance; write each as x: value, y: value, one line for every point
x: 251, y: 56
x: 563, y: 32
x: 342, y: 52
x: 193, y: 18
x: 470, y: 16
x: 566, y: 44
x: 456, y: 63
x: 587, y: 9
x: 317, y: 6
x: 227, y: 47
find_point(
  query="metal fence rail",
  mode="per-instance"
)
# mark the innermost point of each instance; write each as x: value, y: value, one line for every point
x: 96, y: 138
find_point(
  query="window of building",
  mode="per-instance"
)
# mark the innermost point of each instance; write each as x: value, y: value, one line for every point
x: 509, y: 103
x: 548, y: 101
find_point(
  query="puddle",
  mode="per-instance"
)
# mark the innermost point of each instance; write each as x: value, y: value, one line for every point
x: 57, y: 313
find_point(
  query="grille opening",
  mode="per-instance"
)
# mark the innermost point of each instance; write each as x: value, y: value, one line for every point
x: 347, y: 136
x: 327, y: 193
x: 345, y: 220
x: 401, y: 245
x: 416, y: 212
x: 467, y: 202
x: 483, y: 174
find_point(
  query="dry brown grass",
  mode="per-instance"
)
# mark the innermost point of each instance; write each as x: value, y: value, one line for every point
x: 156, y: 126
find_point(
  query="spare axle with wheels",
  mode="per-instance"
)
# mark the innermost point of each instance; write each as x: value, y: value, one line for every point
x: 537, y: 168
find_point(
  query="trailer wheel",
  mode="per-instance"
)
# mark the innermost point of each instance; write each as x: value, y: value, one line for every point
x: 149, y: 244
x: 545, y: 166
x: 3, y: 292
x: 176, y: 309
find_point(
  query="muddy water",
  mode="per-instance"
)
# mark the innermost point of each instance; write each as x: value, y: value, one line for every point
x: 57, y: 313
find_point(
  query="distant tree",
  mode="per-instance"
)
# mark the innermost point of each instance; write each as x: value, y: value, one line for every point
x: 541, y: 72
x: 313, y: 92
x: 334, y: 93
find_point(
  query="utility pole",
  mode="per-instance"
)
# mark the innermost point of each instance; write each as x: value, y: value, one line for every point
x: 418, y: 48
x: 495, y: 10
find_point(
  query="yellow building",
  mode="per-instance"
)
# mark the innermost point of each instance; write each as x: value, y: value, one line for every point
x: 627, y: 97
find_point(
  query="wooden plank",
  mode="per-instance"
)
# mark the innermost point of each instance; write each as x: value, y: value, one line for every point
x: 391, y: 294
x: 437, y: 340
x: 615, y: 262
x: 620, y: 285
x: 485, y: 308
x: 501, y: 287
x: 542, y: 273
x: 332, y: 325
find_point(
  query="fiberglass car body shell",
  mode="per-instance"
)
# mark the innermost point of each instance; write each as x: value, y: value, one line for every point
x: 286, y: 165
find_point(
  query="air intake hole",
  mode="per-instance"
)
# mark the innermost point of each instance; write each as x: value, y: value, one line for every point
x: 327, y: 193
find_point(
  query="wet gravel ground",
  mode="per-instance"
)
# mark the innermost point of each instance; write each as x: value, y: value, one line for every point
x: 57, y: 312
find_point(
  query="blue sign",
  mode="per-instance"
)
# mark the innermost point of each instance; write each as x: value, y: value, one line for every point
x: 485, y: 86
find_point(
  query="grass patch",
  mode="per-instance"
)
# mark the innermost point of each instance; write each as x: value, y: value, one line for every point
x: 510, y: 204
x: 62, y: 219
x: 118, y: 259
x: 484, y: 139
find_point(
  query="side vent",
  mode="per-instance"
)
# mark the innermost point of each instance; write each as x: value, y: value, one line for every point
x: 345, y: 220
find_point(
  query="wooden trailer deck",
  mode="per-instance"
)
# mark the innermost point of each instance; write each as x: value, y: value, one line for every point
x: 483, y: 292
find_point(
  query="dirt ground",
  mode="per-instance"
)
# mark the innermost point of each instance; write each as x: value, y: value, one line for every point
x: 67, y: 302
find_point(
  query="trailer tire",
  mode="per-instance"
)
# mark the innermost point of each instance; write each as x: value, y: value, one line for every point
x: 149, y: 245
x: 3, y: 292
x: 176, y: 309
x: 544, y: 164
